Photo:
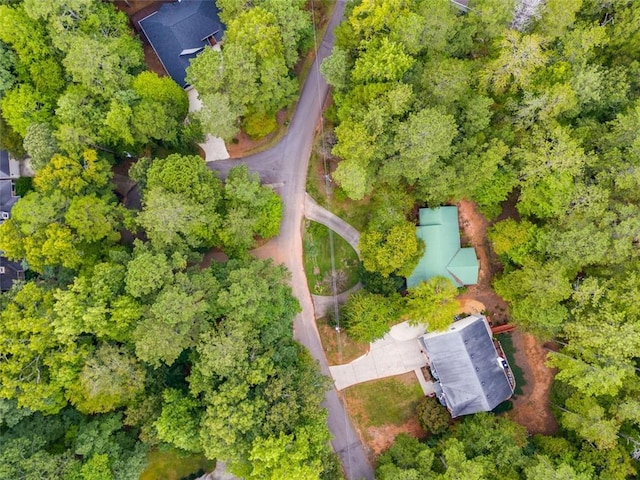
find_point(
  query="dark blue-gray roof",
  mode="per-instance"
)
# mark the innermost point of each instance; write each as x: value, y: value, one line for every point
x: 9, y: 273
x: 466, y: 362
x: 178, y: 27
x: 4, y: 164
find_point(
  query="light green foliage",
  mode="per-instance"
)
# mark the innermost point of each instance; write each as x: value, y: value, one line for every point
x: 217, y: 115
x: 557, y: 16
x: 383, y: 61
x: 396, y: 250
x: 544, y: 468
x: 250, y: 76
x: 180, y: 420
x: 40, y: 144
x: 110, y: 378
x: 513, y: 241
x: 181, y: 200
x: 174, y: 319
x: 368, y: 316
x: 335, y: 69
x: 36, y: 367
x: 520, y: 55
x: 75, y: 175
x: 252, y: 210
x: 535, y: 293
x: 96, y: 303
x: 67, y: 217
x: 294, y: 23
x: 421, y: 141
x: 22, y: 106
x: 432, y: 303
x: 162, y: 108
x: 93, y: 218
x: 147, y: 273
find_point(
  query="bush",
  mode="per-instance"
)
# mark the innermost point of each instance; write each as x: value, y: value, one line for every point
x: 375, y: 282
x: 258, y: 125
x: 432, y: 416
x: 23, y: 186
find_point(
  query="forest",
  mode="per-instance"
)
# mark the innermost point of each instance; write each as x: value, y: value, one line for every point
x: 124, y: 338
x: 433, y: 105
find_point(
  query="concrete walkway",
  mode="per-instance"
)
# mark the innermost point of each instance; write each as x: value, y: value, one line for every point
x: 396, y: 353
x: 319, y: 214
x: 213, y: 147
x: 427, y: 385
x: 323, y: 304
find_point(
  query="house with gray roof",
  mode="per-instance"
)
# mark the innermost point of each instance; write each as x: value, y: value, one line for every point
x: 178, y: 31
x: 470, y: 376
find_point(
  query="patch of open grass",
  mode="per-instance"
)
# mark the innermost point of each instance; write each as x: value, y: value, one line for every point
x: 317, y: 260
x: 509, y: 350
x: 346, y: 351
x: 170, y: 464
x: 386, y: 401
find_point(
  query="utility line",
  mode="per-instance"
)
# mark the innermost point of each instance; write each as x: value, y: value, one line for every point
x: 334, y: 289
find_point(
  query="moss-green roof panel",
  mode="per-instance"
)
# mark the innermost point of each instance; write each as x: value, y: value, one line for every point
x: 443, y: 256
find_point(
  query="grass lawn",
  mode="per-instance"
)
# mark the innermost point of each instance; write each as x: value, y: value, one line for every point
x: 317, y: 260
x: 173, y: 465
x: 349, y: 349
x: 509, y: 350
x: 386, y: 401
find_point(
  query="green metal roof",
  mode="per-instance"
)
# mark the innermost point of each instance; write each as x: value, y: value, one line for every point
x: 443, y: 256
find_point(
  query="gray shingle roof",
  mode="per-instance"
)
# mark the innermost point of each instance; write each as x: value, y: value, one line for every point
x: 465, y: 361
x: 181, y: 26
x: 4, y: 164
x: 7, y: 199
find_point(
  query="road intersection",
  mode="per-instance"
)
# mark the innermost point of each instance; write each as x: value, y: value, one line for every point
x: 286, y: 166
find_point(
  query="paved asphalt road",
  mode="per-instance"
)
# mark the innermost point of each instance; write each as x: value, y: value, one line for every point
x: 286, y: 165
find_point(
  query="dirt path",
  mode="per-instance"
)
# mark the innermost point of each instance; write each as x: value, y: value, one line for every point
x: 531, y: 409
x: 474, y: 226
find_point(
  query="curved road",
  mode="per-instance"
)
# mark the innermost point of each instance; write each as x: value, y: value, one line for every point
x: 285, y: 165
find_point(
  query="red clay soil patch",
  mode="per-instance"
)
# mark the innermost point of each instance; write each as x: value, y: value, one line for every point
x: 243, y: 145
x: 381, y: 438
x: 378, y: 436
x: 532, y: 409
x: 474, y: 227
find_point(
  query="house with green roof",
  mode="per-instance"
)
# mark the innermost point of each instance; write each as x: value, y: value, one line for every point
x: 444, y: 257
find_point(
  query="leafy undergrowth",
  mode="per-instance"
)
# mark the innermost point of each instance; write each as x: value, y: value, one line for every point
x: 172, y: 465
x: 317, y: 260
x: 344, y: 352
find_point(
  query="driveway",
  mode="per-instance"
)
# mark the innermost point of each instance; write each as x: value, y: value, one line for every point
x: 396, y: 353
